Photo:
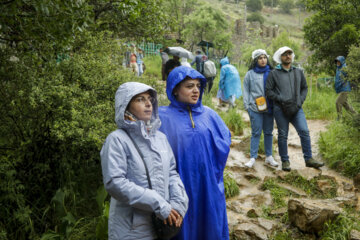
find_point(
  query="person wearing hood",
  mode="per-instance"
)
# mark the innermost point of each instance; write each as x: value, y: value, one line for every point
x: 286, y: 86
x: 201, y: 143
x: 197, y: 60
x: 342, y: 87
x: 259, y: 108
x: 133, y: 201
x: 229, y: 84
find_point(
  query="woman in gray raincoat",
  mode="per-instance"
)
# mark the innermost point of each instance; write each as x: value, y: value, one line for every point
x: 124, y: 175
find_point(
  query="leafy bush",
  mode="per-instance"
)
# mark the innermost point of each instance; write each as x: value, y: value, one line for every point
x: 255, y: 17
x: 271, y: 3
x: 340, y: 147
x: 233, y: 121
x: 55, y: 118
x: 286, y: 5
x: 254, y: 5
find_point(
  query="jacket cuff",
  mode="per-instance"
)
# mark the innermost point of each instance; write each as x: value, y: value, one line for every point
x: 178, y: 207
x: 164, y: 212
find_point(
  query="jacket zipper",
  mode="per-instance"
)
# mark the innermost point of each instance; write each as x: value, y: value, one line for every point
x: 191, y: 118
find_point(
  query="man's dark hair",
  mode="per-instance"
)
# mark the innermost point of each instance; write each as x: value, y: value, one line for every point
x: 170, y: 65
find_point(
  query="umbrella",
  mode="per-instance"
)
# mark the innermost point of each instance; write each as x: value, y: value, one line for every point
x: 180, y: 52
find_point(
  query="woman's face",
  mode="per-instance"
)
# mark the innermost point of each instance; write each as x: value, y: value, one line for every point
x: 188, y: 91
x: 262, y: 61
x: 141, y: 106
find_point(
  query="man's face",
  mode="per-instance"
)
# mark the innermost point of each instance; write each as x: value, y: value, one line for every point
x: 286, y: 57
x: 338, y: 63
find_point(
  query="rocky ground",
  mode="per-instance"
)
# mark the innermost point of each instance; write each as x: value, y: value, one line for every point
x: 254, y: 214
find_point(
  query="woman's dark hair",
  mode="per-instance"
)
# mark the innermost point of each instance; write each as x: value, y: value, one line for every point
x: 254, y: 62
x: 170, y: 65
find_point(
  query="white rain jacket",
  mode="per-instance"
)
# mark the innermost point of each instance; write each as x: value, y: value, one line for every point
x: 124, y: 176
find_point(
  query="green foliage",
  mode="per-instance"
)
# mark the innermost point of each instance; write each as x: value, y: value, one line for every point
x: 233, y: 121
x: 331, y: 30
x: 231, y: 188
x: 320, y: 104
x: 277, y: 193
x: 286, y: 6
x: 255, y: 17
x: 340, y: 228
x: 153, y: 66
x: 208, y: 23
x: 340, y: 147
x: 353, y: 67
x: 271, y: 3
x: 254, y: 5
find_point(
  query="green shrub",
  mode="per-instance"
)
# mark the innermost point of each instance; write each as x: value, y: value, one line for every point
x: 153, y: 66
x: 254, y: 5
x: 340, y: 148
x: 57, y: 116
x: 340, y: 227
x: 231, y: 188
x: 255, y: 17
x: 233, y: 121
x: 286, y: 5
x: 320, y: 104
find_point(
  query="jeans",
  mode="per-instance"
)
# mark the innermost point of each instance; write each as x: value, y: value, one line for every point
x: 299, y: 122
x: 261, y: 122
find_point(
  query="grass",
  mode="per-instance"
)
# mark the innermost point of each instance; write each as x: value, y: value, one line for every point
x: 231, y: 188
x: 233, y: 121
x: 339, y: 146
x: 320, y: 104
x: 153, y: 66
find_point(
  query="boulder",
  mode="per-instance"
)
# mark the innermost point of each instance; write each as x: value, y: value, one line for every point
x: 249, y: 231
x: 267, y: 224
x: 310, y: 215
x: 354, y: 235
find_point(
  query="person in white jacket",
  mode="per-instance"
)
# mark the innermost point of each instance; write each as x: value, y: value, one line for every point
x: 124, y: 174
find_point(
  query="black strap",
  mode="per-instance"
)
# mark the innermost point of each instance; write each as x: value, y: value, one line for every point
x: 142, y: 158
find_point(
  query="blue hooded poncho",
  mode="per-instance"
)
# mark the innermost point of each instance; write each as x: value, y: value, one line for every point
x: 229, y: 83
x: 201, y: 143
x: 341, y: 85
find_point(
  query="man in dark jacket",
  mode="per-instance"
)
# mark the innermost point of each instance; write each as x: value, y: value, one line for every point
x: 286, y: 86
x: 342, y: 87
x: 197, y: 60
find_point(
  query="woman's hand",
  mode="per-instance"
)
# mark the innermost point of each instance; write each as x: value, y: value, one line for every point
x: 174, y: 218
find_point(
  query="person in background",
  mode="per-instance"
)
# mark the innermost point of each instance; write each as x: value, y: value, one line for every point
x: 164, y: 59
x: 124, y: 175
x: 229, y: 84
x: 342, y: 87
x: 139, y: 61
x: 259, y: 108
x: 197, y: 60
x: 133, y: 64
x: 286, y: 86
x: 201, y: 143
x: 170, y: 65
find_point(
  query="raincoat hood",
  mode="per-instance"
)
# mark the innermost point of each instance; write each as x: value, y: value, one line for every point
x: 175, y: 77
x: 280, y: 51
x: 341, y: 59
x: 258, y: 52
x: 224, y: 61
x: 123, y: 96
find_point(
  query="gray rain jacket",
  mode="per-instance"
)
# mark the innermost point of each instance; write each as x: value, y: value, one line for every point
x: 253, y: 88
x: 124, y: 176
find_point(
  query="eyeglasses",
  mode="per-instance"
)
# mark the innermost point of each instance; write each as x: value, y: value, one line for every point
x: 144, y: 100
x: 286, y: 54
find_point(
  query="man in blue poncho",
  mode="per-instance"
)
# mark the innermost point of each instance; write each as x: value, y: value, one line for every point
x: 229, y: 84
x: 342, y: 87
x: 201, y: 143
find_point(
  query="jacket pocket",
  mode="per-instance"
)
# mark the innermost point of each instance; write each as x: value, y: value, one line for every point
x: 140, y: 218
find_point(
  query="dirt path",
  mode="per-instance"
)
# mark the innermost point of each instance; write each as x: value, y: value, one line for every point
x: 251, y: 197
